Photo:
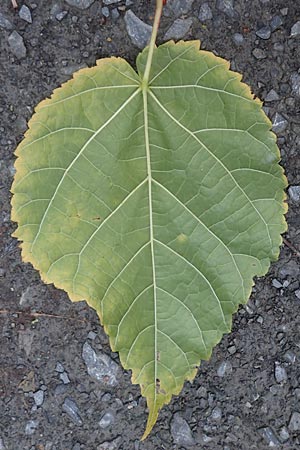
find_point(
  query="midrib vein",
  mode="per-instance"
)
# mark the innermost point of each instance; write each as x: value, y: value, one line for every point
x: 151, y: 237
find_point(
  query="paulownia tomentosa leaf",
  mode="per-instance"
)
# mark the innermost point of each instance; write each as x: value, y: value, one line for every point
x: 157, y: 203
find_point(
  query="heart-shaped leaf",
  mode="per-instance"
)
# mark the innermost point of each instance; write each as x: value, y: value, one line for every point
x: 156, y: 202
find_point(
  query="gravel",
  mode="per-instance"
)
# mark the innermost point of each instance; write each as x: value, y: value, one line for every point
x: 205, y: 12
x: 295, y: 81
x: 5, y: 23
x: 270, y: 437
x: 258, y: 53
x: 100, y: 366
x: 294, y: 193
x: 280, y: 373
x: 107, y: 420
x: 272, y: 96
x: 224, y: 369
x: 25, y: 14
x: 71, y: 409
x: 178, y: 7
x: 181, y: 432
x: 279, y: 123
x: 178, y: 29
x: 264, y: 32
x: 80, y: 4
x: 227, y: 7
x: 31, y: 427
x: 238, y: 38
x: 294, y: 424
x: 295, y: 30
x: 16, y: 44
x: 138, y: 31
x: 38, y: 397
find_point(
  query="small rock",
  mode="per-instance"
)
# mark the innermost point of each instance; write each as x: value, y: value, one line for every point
x: 238, y: 38
x: 2, y: 446
x: 295, y: 30
x: 72, y: 410
x: 64, y: 377
x: 178, y: 29
x: 280, y: 373
x: 100, y: 367
x: 284, y: 434
x: 227, y: 7
x: 138, y: 31
x: 5, y: 23
x: 81, y: 4
x: 284, y: 11
x: 178, y: 7
x: 294, y: 193
x: 290, y: 357
x: 112, y: 445
x: 92, y: 335
x: 181, y: 432
x: 61, y: 15
x: 59, y: 367
x: 110, y: 2
x: 269, y: 436
x: 232, y: 349
x: 295, y: 80
x: 77, y: 446
x: 25, y: 14
x: 38, y: 397
x: 258, y: 53
x: 115, y: 14
x: 272, y: 96
x: 205, y: 12
x: 106, y: 420
x: 291, y: 269
x: 294, y: 424
x: 264, y: 33
x: 60, y: 389
x: 16, y: 44
x: 276, y: 23
x: 105, y: 11
x: 279, y: 123
x: 216, y: 414
x: 31, y: 426
x: 297, y: 293
x: 276, y: 284
x: 225, y: 368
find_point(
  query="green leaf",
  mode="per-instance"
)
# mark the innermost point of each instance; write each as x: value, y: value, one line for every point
x: 156, y: 203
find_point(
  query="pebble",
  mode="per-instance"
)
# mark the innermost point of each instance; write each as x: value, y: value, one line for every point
x: 17, y: 45
x: 59, y: 367
x: 272, y: 96
x: 294, y: 193
x: 61, y: 15
x: 216, y: 414
x: 276, y: 23
x: 295, y: 30
x: 77, y: 446
x: 105, y: 11
x: 284, y: 434
x: 38, y: 397
x: 110, y: 2
x: 276, y: 283
x: 72, y: 410
x: 25, y: 14
x: 30, y: 427
x: 225, y: 368
x: 112, y: 445
x: 60, y: 389
x: 81, y: 4
x: 291, y: 268
x: 100, y: 367
x: 297, y: 293
x: 178, y: 7
x: 92, y: 335
x: 205, y: 12
x: 227, y: 7
x: 295, y: 80
x: 138, y: 31
x: 269, y: 436
x: 258, y: 53
x: 284, y: 11
x: 264, y: 32
x: 64, y: 377
x: 280, y: 373
x: 279, y: 123
x: 294, y: 424
x: 238, y: 38
x: 181, y: 432
x: 106, y: 420
x: 178, y: 29
x: 232, y: 349
x: 5, y: 23
x: 115, y: 14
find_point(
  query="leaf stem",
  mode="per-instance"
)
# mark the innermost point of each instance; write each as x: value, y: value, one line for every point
x: 158, y: 11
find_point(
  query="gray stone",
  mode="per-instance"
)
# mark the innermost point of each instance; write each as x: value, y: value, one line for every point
x: 258, y: 53
x: 238, y: 38
x: 106, y: 420
x: 295, y: 30
x: 61, y: 15
x: 178, y: 7
x: 92, y: 335
x: 105, y: 11
x: 77, y: 446
x: 178, y: 29
x: 295, y: 81
x: 115, y: 14
x: 294, y: 193
x: 290, y: 356
x: 280, y: 373
x: 284, y: 11
x: 2, y: 446
x: 205, y: 12
x: 216, y: 414
x: 112, y: 445
x: 276, y: 23
x: 294, y: 424
x: 60, y: 389
x: 227, y: 7
x: 5, y: 23
x: 30, y: 427
x: 72, y: 410
x: 38, y: 397
x: 291, y: 269
x: 279, y: 123
x: 64, y: 377
x: 284, y: 434
x: 225, y: 368
x: 272, y: 96
x: 297, y: 293
x: 16, y: 45
x: 100, y: 367
x: 59, y: 367
x: 138, y: 31
x: 181, y: 432
x: 81, y: 4
x: 264, y: 32
x: 276, y: 283
x: 110, y: 2
x: 25, y: 14
x: 269, y: 436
